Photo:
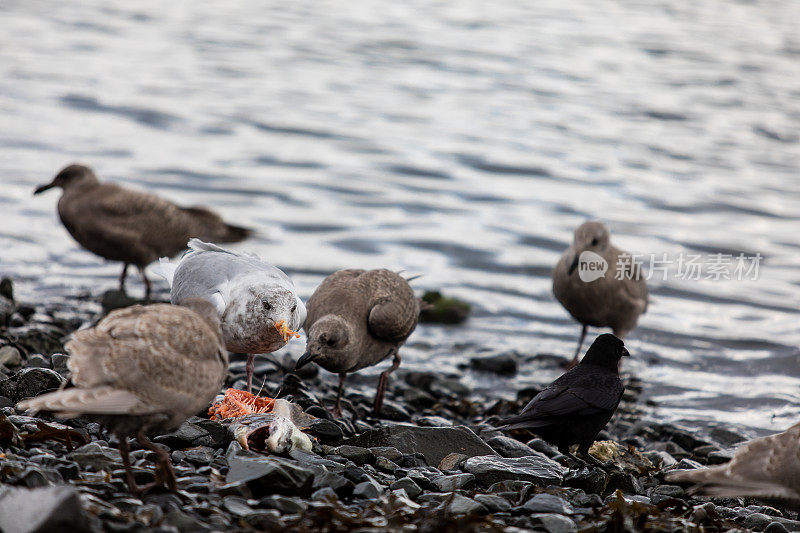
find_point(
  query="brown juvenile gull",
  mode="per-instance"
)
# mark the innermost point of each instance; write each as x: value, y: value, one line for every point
x: 613, y: 300
x: 574, y: 408
x: 143, y: 369
x: 767, y: 468
x: 134, y: 227
x: 257, y: 303
x: 356, y: 319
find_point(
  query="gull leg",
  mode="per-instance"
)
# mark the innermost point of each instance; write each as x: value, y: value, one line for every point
x: 124, y: 451
x: 250, y: 367
x: 383, y: 382
x: 164, y: 470
x: 123, y: 276
x: 574, y: 362
x: 337, y: 411
x: 146, y: 284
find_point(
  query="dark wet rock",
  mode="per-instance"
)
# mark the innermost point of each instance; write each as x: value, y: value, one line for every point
x: 452, y: 461
x: 325, y: 493
x: 409, y: 485
x: 443, y: 310
x: 385, y: 465
x: 454, y: 482
x: 265, y: 475
x: 504, y: 364
x: 46, y: 509
x: 10, y: 357
x: 418, y: 398
x: 547, y: 503
x: 35, y: 476
x: 196, y: 432
x: 394, y: 411
x: 37, y: 361
x: 727, y: 437
x: 433, y: 443
x: 591, y: 480
x: 6, y: 402
x: 236, y: 505
x: 542, y: 446
x: 720, y: 457
x: 326, y: 431
x: 58, y: 361
x: 282, y: 504
x: 623, y: 481
x: 508, y: 447
x: 116, y: 299
x: 388, y: 452
x: 356, y: 454
x: 434, y: 421
x: 686, y: 464
x: 775, y: 527
x: 41, y: 339
x: 535, y: 468
x: 494, y: 503
x: 184, y: 522
x: 201, y: 455
x: 552, y: 523
x: 30, y: 382
x: 95, y: 456
x: 661, y: 459
x: 369, y: 489
x: 460, y: 505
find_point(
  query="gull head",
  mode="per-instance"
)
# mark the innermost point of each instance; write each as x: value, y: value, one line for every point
x: 329, y: 344
x: 591, y: 236
x: 250, y: 318
x: 72, y: 176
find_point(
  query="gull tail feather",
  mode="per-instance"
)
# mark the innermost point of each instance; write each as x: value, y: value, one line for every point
x: 70, y: 403
x: 165, y: 269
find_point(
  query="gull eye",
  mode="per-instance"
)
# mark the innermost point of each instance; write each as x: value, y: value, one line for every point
x: 294, y: 308
x: 595, y: 241
x: 330, y: 342
x: 267, y: 305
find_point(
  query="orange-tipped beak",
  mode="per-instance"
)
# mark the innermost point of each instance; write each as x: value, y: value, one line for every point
x: 284, y: 330
x: 238, y: 403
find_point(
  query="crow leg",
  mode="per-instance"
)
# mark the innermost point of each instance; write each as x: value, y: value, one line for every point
x: 383, y: 382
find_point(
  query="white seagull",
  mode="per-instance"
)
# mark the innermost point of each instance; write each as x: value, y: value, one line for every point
x: 257, y: 303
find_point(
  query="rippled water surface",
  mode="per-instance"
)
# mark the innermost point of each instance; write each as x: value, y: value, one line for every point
x: 459, y: 140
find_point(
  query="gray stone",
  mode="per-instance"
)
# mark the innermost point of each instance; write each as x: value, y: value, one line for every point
x: 452, y: 461
x: 495, y: 504
x: 547, y: 503
x: 325, y: 493
x: 41, y: 510
x: 776, y: 527
x: 434, y: 421
x: 368, y: 489
x: 265, y: 475
x: 434, y: 443
x: 504, y: 364
x: 457, y: 504
x: 508, y: 447
x: 660, y: 457
x: 356, y: 454
x: 94, y: 456
x: 393, y: 454
x: 10, y: 357
x: 236, y: 505
x: 30, y: 382
x: 283, y: 504
x: 454, y: 482
x: 385, y: 465
x: 535, y: 468
x: 59, y: 363
x: 37, y: 361
x: 409, y: 485
x: 542, y: 446
x: 553, y: 523
x: 183, y: 522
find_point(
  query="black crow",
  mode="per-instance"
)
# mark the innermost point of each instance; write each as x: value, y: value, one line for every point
x: 577, y: 406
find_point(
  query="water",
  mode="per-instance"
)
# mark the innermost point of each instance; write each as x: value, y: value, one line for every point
x: 463, y: 141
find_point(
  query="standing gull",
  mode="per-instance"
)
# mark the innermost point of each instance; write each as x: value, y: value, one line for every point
x: 613, y: 300
x: 356, y: 319
x: 256, y: 302
x: 143, y: 369
x: 134, y: 227
x: 768, y: 468
x: 577, y: 406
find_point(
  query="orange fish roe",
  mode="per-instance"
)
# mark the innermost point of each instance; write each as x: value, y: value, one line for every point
x: 238, y: 403
x: 285, y: 331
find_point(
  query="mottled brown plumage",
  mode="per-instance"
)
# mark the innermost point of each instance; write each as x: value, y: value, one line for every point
x: 614, y: 300
x: 130, y: 226
x: 767, y: 468
x: 143, y: 369
x: 356, y: 319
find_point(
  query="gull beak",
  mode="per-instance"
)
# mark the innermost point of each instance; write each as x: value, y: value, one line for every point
x: 42, y: 188
x: 574, y: 264
x: 625, y: 352
x: 305, y: 359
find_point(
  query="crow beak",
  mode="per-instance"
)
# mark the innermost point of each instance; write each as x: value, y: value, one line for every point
x: 42, y: 188
x: 625, y: 352
x: 574, y: 264
x: 304, y: 360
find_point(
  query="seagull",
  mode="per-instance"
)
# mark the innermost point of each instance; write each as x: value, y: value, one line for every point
x: 130, y: 226
x: 256, y: 302
x: 612, y: 299
x: 143, y: 369
x: 356, y: 319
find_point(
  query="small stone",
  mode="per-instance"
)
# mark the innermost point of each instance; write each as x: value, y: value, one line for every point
x: 30, y: 382
x: 504, y: 364
x: 356, y: 454
x: 589, y: 480
x: 495, y: 504
x: 536, y: 468
x: 508, y: 447
x: 10, y: 357
x: 385, y: 465
x: 660, y: 457
x: 202, y: 455
x: 547, y: 503
x: 409, y: 485
x: 454, y: 482
x: 236, y: 505
x: 775, y: 527
x: 394, y: 411
x: 324, y: 494
x: 458, y: 505
x: 452, y: 462
x: 283, y: 504
x: 433, y: 421
x: 59, y: 363
x: 368, y: 489
x: 56, y: 508
x: 553, y: 523
x: 265, y: 475
x: 94, y: 456
x: 326, y: 431
x: 389, y: 452
x: 542, y: 446
x: 37, y: 361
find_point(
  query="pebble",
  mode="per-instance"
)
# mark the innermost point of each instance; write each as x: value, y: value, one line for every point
x: 10, y: 357
x: 548, y: 503
x: 536, y: 468
x: 454, y: 482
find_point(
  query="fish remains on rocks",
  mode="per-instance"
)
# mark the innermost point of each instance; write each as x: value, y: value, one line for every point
x: 613, y: 300
x: 356, y: 319
x: 257, y: 303
x: 143, y: 369
x: 574, y: 408
x: 134, y: 227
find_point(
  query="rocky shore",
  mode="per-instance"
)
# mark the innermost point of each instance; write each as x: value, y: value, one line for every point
x: 432, y: 462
